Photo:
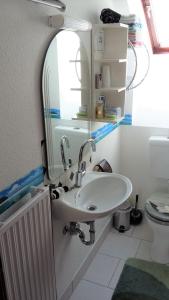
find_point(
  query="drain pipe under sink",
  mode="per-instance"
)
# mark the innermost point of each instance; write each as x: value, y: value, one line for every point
x: 74, y: 229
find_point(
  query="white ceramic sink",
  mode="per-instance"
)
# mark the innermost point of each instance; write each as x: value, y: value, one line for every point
x: 99, y: 195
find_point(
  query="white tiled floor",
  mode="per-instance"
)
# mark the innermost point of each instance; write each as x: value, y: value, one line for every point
x: 106, y: 264
x: 89, y: 291
x: 144, y: 250
x: 102, y: 276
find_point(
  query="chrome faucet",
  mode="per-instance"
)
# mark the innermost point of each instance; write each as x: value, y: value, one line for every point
x: 64, y: 141
x: 82, y: 164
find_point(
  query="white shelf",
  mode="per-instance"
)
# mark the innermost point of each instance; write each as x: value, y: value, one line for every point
x: 108, y: 120
x: 76, y: 61
x: 113, y: 89
x: 110, y: 60
x: 111, y: 26
x: 81, y: 118
x: 78, y: 89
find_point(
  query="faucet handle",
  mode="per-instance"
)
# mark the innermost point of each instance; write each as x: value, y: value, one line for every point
x: 56, y: 192
x: 93, y: 145
x: 70, y: 162
x: 83, y: 167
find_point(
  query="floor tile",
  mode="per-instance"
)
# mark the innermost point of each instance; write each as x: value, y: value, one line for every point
x: 90, y: 291
x: 119, y: 246
x: 101, y: 269
x: 144, y: 250
x: 127, y: 232
x: 143, y: 231
x: 116, y: 275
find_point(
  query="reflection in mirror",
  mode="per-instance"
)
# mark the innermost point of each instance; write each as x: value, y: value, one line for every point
x: 66, y: 99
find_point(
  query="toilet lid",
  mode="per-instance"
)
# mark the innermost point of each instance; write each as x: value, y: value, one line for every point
x: 157, y: 199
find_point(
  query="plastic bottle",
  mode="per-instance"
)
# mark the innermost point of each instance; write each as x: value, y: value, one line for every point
x: 99, y: 109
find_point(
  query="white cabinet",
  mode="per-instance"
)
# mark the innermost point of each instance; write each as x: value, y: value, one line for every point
x: 109, y: 60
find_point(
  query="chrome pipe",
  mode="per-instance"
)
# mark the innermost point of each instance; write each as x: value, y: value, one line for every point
x: 65, y: 141
x: 74, y: 229
x: 82, y: 164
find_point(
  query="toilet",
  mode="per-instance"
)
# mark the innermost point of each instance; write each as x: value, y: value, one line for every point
x: 156, y: 205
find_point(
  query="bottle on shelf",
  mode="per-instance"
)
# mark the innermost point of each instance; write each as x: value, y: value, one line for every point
x: 112, y: 112
x: 99, y: 44
x: 103, y: 98
x: 98, y: 81
x: 99, y: 109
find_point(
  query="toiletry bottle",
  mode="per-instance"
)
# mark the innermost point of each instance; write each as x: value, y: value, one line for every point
x: 98, y: 81
x: 99, y: 109
x: 103, y: 99
x: 99, y: 46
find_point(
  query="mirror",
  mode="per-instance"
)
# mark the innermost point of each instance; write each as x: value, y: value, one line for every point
x: 66, y: 87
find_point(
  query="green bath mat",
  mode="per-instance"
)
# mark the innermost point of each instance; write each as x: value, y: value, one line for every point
x: 143, y: 280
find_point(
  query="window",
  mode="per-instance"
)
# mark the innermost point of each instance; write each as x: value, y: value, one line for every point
x: 151, y: 99
x: 156, y: 13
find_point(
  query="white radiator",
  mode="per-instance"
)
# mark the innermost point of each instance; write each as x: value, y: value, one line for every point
x: 26, y: 251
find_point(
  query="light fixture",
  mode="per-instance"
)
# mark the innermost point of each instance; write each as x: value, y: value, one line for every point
x: 54, y: 3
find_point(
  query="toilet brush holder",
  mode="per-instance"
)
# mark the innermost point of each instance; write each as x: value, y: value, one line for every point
x: 136, y: 214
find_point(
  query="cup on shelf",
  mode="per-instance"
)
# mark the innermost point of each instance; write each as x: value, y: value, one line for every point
x: 82, y: 112
x: 83, y: 109
x: 112, y: 112
x: 106, y: 76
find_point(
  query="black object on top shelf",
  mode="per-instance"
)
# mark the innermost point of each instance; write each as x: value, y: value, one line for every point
x: 109, y: 16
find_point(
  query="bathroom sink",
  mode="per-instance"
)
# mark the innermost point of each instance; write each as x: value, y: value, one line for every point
x: 99, y: 195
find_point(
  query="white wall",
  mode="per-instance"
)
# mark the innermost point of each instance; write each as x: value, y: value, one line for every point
x: 24, y: 37
x: 134, y: 160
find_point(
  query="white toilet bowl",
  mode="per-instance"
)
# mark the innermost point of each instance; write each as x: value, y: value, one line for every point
x: 159, y: 222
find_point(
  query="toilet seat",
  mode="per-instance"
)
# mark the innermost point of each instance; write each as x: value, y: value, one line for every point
x: 152, y: 213
x: 159, y: 223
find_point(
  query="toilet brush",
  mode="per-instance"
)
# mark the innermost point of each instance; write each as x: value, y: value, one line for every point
x: 136, y: 214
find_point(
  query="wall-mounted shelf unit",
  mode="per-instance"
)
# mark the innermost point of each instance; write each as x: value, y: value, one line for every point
x: 109, y: 48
